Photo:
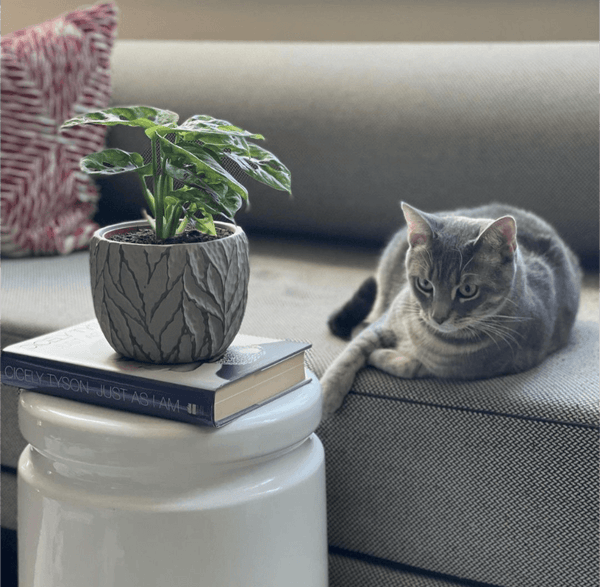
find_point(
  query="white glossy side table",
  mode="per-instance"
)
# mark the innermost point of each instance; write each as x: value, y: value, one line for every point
x: 109, y: 498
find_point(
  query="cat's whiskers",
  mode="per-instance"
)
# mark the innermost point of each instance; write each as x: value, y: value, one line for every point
x: 508, y: 334
x: 509, y: 318
x: 499, y: 322
x: 472, y: 331
x: 502, y: 331
x: 485, y: 332
x: 507, y: 299
x: 491, y: 335
x: 409, y: 305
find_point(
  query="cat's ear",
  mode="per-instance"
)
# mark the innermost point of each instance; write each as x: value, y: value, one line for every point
x: 419, y: 231
x: 501, y: 235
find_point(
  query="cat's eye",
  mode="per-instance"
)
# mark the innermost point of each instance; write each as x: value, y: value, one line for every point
x: 468, y: 291
x: 424, y: 285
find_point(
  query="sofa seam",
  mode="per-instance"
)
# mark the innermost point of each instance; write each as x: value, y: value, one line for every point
x: 537, y: 419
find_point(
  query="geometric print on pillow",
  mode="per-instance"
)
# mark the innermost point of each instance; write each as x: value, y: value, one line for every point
x: 50, y: 73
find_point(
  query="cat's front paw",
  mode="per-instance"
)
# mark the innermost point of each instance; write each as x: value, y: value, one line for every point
x: 333, y: 394
x: 396, y: 364
x: 332, y: 403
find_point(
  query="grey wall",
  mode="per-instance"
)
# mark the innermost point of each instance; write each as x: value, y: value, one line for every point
x: 334, y: 20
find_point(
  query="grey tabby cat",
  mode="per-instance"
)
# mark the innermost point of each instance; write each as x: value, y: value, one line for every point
x: 461, y: 295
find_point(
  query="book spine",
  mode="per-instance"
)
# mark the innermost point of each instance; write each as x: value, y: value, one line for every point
x: 107, y: 392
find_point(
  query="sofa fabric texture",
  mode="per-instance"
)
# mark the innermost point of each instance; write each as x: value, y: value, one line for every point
x: 430, y: 482
x: 494, y: 481
x: 51, y: 72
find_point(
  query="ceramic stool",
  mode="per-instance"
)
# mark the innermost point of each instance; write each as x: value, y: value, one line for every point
x: 109, y: 498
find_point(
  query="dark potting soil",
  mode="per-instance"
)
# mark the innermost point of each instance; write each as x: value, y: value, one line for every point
x: 146, y: 236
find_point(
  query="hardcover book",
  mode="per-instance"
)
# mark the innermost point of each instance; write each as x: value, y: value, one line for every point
x: 77, y: 363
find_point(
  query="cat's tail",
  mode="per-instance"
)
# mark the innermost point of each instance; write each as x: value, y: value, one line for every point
x: 354, y: 311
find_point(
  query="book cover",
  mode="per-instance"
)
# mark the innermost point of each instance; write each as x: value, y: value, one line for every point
x: 78, y: 363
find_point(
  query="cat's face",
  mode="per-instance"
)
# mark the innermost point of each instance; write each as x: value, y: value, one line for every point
x: 460, y: 270
x: 455, y: 289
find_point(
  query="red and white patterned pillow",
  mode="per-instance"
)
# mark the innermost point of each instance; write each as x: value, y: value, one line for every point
x: 52, y: 72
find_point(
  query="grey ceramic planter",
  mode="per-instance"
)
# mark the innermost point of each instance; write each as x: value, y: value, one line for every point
x: 169, y: 303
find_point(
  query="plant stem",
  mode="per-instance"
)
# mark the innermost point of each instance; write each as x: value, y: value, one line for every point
x: 147, y: 194
x: 158, y: 195
x: 164, y: 190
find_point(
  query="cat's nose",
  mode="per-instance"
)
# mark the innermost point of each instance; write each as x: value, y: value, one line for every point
x: 440, y: 314
x: 440, y: 311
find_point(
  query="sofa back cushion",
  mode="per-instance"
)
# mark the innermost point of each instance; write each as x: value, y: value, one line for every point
x: 362, y: 126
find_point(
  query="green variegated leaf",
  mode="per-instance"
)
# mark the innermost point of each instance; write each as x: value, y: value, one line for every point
x: 198, y: 167
x: 264, y: 167
x: 218, y: 142
x: 193, y: 195
x: 226, y: 205
x: 230, y: 204
x: 182, y: 224
x: 193, y: 157
x: 160, y: 130
x: 190, y: 178
x: 209, y: 125
x: 206, y: 224
x: 194, y: 198
x: 144, y: 116
x: 113, y: 161
x: 194, y: 205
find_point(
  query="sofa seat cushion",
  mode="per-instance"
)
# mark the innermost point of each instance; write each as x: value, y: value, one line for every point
x: 492, y: 481
x: 42, y: 294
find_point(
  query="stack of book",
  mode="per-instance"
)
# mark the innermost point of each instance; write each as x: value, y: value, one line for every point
x: 77, y: 363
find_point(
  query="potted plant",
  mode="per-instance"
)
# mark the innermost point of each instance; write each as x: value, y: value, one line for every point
x: 172, y: 288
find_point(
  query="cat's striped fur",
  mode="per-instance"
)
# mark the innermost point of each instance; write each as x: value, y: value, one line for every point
x: 469, y: 294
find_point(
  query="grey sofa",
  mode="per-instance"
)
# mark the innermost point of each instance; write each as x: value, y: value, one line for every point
x: 429, y: 483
